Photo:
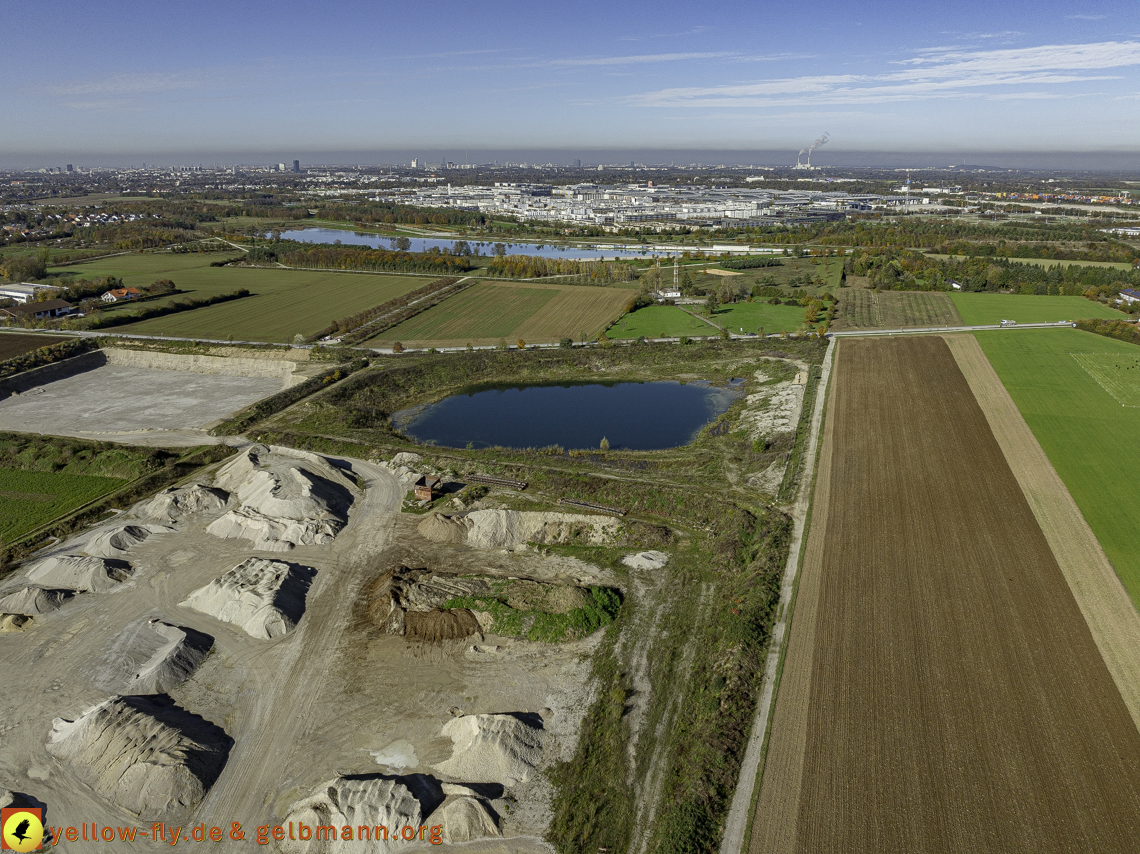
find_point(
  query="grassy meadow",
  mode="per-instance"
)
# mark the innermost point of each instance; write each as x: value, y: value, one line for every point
x: 29, y: 499
x: 488, y: 313
x: 660, y: 321
x: 1077, y: 416
x: 989, y: 309
x: 284, y: 302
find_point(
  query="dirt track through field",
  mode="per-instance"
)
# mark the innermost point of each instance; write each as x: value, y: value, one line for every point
x: 958, y: 702
x: 1106, y: 605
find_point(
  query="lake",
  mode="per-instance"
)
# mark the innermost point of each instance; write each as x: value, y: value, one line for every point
x: 481, y: 247
x: 642, y: 416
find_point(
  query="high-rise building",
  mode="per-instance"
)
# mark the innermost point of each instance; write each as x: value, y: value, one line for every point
x: 70, y: 168
x: 415, y: 163
x: 578, y: 164
x: 297, y: 166
x: 280, y: 167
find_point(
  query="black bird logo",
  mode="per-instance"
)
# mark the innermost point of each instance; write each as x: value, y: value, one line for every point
x: 20, y: 831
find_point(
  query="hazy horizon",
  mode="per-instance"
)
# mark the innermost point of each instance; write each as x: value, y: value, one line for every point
x: 1075, y: 161
x: 220, y: 81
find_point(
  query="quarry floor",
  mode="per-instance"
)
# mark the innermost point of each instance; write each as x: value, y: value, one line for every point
x: 132, y: 404
x: 333, y: 697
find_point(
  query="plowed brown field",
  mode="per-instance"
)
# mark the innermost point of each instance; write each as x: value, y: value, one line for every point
x: 958, y: 702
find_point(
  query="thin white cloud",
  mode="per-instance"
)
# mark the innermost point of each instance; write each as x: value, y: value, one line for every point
x: 943, y: 73
x: 128, y: 84
x: 642, y: 59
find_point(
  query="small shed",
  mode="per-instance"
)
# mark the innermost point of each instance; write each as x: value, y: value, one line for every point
x: 427, y: 488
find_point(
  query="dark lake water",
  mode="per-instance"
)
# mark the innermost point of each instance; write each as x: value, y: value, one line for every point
x: 632, y: 415
x: 481, y: 247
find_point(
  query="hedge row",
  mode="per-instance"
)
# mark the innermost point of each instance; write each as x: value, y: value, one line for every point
x: 399, y: 317
x: 355, y: 321
x: 163, y: 310
x: 46, y: 356
x: 750, y: 263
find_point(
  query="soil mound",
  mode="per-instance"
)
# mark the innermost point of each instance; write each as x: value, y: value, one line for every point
x: 80, y: 573
x: 492, y: 749
x: 410, y: 602
x: 356, y: 802
x: 117, y: 541
x: 178, y: 502
x: 287, y: 499
x: 646, y: 560
x: 33, y: 601
x: 144, y: 754
x: 442, y: 529
x: 264, y: 597
x: 152, y: 657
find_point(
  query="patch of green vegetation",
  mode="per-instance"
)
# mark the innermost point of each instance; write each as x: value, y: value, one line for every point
x: 1086, y: 433
x: 989, y: 309
x: 29, y: 499
x: 743, y: 317
x: 660, y: 321
x: 600, y: 609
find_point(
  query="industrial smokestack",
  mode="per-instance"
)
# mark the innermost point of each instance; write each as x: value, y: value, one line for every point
x: 819, y: 142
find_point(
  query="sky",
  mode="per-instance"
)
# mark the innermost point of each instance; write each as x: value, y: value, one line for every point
x: 110, y: 82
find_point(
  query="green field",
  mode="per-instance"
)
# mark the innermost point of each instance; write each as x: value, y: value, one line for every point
x: 29, y: 499
x: 1083, y: 428
x: 989, y: 309
x: 285, y: 302
x: 660, y: 321
x: 487, y: 313
x: 752, y: 316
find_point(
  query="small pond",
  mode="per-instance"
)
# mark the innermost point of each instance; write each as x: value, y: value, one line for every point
x: 640, y: 416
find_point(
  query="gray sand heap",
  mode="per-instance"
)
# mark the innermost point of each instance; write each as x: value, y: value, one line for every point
x: 144, y: 754
x: 264, y: 597
x: 492, y: 749
x: 33, y: 601
x: 178, y: 502
x: 80, y: 573
x: 646, y: 560
x: 118, y: 540
x: 152, y: 657
x: 393, y: 803
x: 374, y: 801
x: 286, y: 498
x: 505, y: 529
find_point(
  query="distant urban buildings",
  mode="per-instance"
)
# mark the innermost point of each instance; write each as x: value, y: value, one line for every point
x: 297, y: 166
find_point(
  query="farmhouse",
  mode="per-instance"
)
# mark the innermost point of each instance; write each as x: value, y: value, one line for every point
x: 37, y: 310
x: 668, y: 293
x: 117, y: 294
x: 1130, y: 295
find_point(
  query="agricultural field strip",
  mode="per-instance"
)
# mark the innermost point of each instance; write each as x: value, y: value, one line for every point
x: 733, y: 841
x: 1093, y: 365
x: 777, y: 801
x: 1012, y: 737
x: 1107, y: 608
x: 29, y: 499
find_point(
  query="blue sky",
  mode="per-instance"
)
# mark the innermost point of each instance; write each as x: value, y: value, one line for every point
x: 106, y: 80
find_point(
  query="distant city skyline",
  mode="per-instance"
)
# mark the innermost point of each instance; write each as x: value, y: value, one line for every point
x: 1054, y: 83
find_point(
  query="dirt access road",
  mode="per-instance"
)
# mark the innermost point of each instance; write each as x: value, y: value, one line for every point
x: 957, y: 700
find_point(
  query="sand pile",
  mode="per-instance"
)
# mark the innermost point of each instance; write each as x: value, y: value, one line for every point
x: 372, y: 801
x: 117, y: 541
x: 80, y: 573
x: 152, y: 657
x: 442, y: 529
x: 506, y: 529
x: 264, y: 597
x: 144, y: 754
x: 646, y: 560
x: 13, y: 623
x: 410, y: 602
x: 33, y: 601
x: 492, y: 749
x: 176, y: 503
x: 286, y: 498
x: 464, y: 817
x: 774, y: 409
